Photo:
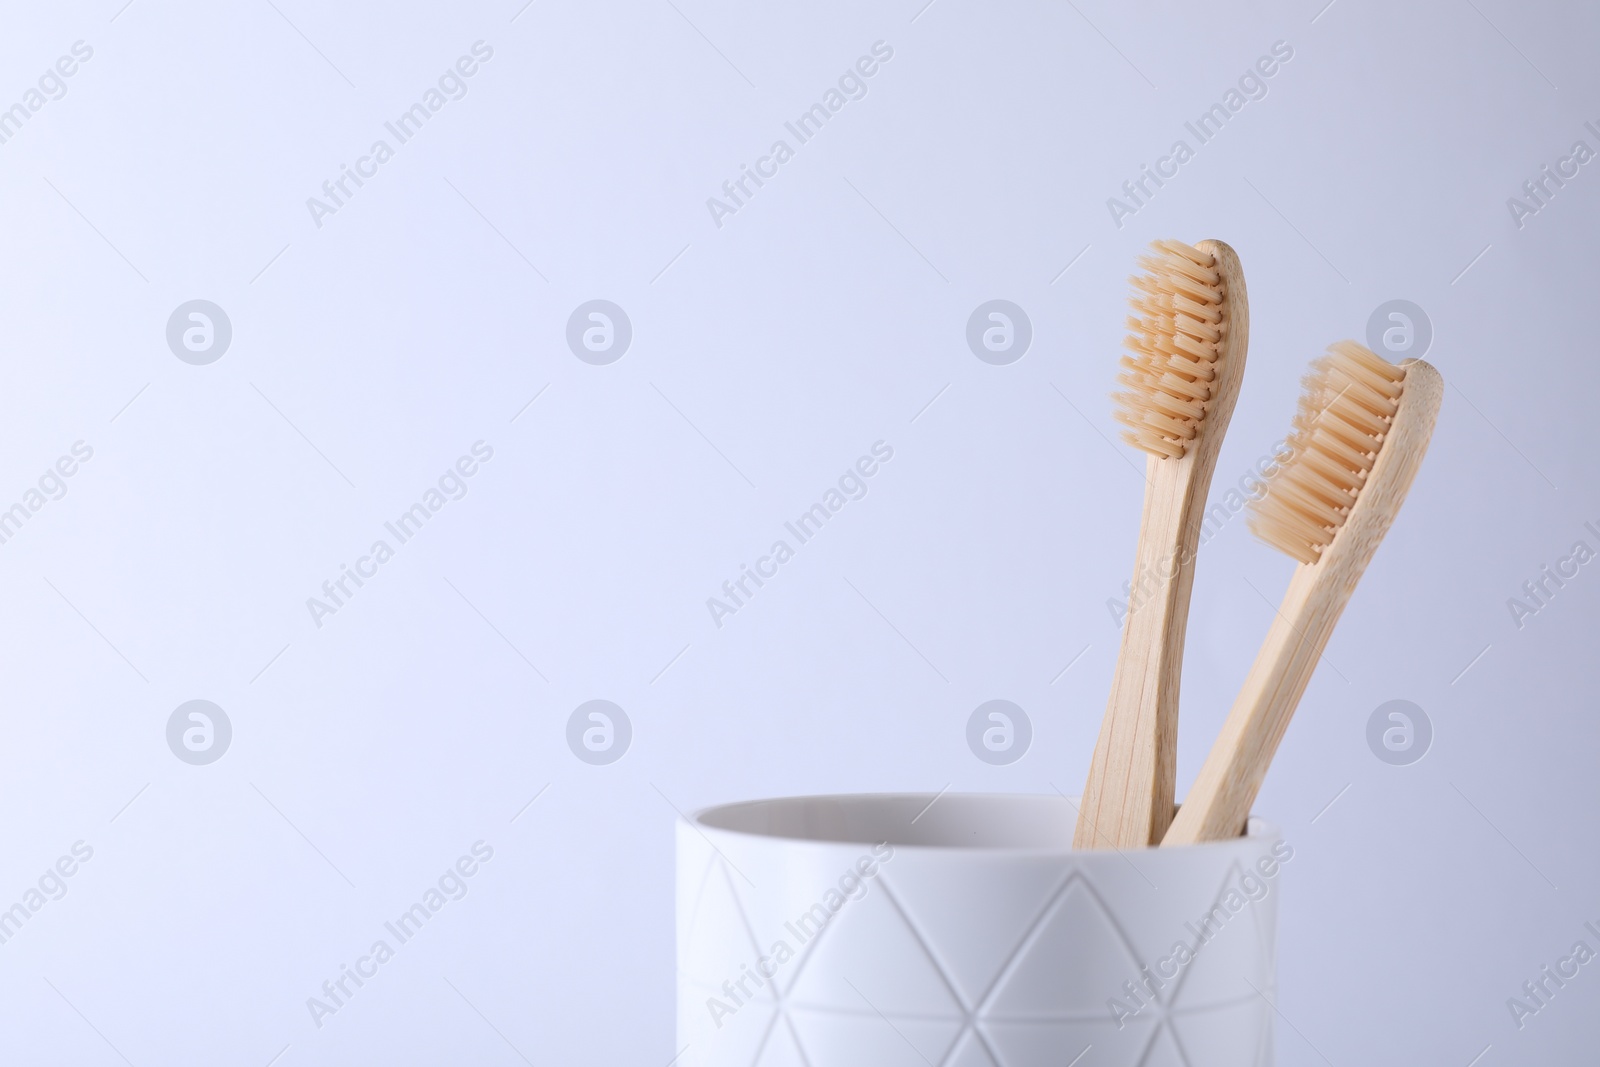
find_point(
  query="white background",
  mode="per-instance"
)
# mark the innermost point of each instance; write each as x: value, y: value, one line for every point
x: 768, y: 354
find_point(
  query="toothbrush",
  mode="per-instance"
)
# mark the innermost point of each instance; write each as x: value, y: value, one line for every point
x: 1190, y: 331
x: 1358, y: 439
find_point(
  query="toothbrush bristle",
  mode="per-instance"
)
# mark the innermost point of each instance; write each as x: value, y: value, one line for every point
x: 1350, y: 399
x: 1177, y: 328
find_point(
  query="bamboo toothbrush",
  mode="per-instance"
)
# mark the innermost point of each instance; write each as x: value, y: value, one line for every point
x: 1190, y: 330
x: 1358, y: 439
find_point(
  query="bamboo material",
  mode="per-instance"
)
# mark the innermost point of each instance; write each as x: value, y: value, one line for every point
x: 1218, y: 805
x: 1128, y: 799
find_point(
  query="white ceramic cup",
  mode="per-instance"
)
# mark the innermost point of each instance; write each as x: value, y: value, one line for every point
x: 881, y: 930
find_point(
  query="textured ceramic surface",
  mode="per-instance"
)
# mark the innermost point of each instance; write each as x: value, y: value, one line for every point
x: 879, y: 931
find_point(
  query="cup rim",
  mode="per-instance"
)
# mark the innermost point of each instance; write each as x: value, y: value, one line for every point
x: 1256, y: 829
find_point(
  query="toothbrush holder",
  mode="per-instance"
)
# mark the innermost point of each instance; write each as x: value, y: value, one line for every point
x: 962, y: 930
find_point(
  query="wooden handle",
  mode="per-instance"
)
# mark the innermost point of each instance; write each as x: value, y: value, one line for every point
x: 1128, y: 800
x: 1218, y: 805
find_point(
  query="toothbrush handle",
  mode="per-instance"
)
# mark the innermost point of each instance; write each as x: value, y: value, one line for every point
x: 1127, y: 802
x: 1219, y: 802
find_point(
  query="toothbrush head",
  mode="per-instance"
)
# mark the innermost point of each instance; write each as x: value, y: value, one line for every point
x: 1346, y: 414
x: 1178, y: 335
